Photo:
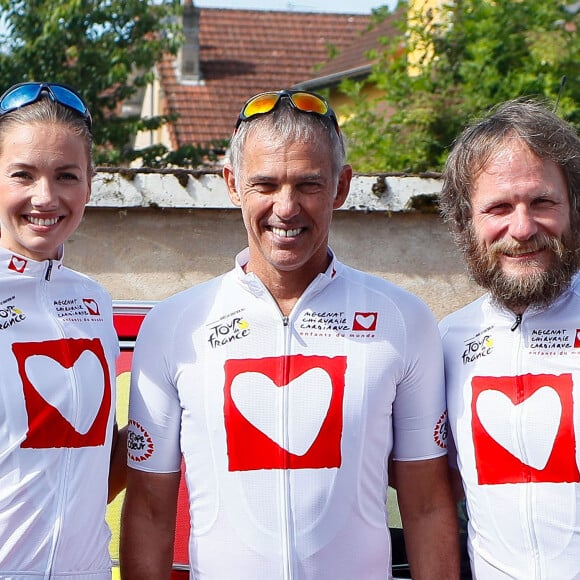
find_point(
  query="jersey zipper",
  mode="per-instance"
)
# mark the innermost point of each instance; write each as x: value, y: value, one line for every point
x: 63, y: 473
x: 287, y: 527
x: 48, y: 272
x: 285, y: 492
x: 528, y: 491
x: 516, y: 323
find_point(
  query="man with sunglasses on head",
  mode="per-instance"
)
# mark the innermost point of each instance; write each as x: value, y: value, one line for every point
x: 511, y: 195
x: 288, y: 384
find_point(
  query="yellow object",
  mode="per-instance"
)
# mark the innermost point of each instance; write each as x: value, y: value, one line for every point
x: 114, y: 508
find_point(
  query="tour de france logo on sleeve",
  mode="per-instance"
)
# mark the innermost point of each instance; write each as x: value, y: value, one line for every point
x: 523, y: 429
x: 67, y: 392
x: 284, y: 412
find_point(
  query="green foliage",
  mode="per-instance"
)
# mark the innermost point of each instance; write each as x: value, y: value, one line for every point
x: 483, y: 52
x: 104, y: 48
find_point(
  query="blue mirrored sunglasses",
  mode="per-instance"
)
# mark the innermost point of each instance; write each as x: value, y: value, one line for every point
x: 24, y: 94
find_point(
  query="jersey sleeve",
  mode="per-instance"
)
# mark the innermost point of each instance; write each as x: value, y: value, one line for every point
x: 154, y: 409
x: 419, y: 409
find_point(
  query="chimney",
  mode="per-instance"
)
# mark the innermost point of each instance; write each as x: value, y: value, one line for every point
x: 189, y: 67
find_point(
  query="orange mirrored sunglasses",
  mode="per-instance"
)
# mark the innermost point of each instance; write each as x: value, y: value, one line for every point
x: 301, y: 100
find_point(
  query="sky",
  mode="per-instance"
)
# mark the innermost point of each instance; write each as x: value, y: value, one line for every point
x: 346, y: 6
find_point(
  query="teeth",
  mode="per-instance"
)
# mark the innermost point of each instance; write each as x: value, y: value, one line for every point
x: 286, y: 233
x: 41, y: 221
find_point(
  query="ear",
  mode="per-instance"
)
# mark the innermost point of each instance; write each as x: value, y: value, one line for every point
x: 343, y: 186
x: 230, y: 181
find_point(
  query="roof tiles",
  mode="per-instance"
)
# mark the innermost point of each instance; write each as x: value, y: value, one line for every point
x: 244, y: 52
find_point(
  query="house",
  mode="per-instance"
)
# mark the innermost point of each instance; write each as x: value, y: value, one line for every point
x: 230, y: 55
x: 354, y: 62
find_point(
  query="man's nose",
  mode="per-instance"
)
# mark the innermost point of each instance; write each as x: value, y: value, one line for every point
x: 522, y: 223
x: 287, y: 204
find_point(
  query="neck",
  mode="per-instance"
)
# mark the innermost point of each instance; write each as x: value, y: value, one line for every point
x: 286, y: 287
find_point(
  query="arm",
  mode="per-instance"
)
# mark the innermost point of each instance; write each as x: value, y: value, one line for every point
x: 456, y: 484
x: 148, y: 525
x: 118, y: 465
x: 429, y: 518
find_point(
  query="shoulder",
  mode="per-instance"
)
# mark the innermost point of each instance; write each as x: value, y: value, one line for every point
x: 73, y: 277
x: 471, y: 315
x: 192, y: 302
x: 383, y: 289
x: 575, y: 285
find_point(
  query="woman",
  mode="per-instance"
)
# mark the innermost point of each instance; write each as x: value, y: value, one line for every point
x: 58, y: 435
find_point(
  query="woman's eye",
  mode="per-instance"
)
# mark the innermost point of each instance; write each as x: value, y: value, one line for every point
x: 68, y: 176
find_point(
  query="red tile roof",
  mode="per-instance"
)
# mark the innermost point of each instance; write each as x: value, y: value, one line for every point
x: 244, y: 52
x: 354, y: 59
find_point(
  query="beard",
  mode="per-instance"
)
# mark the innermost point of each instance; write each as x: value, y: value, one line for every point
x: 536, y: 285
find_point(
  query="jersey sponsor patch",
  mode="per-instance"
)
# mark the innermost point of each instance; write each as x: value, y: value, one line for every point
x: 59, y: 416
x: 9, y: 316
x: 441, y: 431
x: 365, y: 321
x: 92, y: 306
x: 139, y: 443
x: 523, y: 429
x: 75, y: 309
x: 308, y: 390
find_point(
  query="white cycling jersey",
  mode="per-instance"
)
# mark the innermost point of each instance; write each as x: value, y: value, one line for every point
x: 513, y: 392
x: 57, y: 391
x: 286, y: 423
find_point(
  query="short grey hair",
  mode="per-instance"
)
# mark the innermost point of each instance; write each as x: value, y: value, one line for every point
x: 288, y: 123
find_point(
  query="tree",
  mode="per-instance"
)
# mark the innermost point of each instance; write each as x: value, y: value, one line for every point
x: 480, y: 53
x: 106, y: 49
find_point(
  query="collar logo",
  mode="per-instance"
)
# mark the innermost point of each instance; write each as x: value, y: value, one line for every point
x: 17, y: 264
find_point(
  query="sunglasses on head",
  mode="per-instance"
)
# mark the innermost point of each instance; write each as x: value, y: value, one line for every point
x: 24, y: 94
x: 301, y: 100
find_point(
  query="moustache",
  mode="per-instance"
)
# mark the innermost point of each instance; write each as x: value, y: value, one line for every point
x: 514, y: 248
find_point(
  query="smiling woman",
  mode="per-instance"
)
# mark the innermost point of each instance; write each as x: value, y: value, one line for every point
x: 57, y: 396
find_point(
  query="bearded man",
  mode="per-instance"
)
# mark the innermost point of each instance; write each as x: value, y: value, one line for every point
x: 511, y: 189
